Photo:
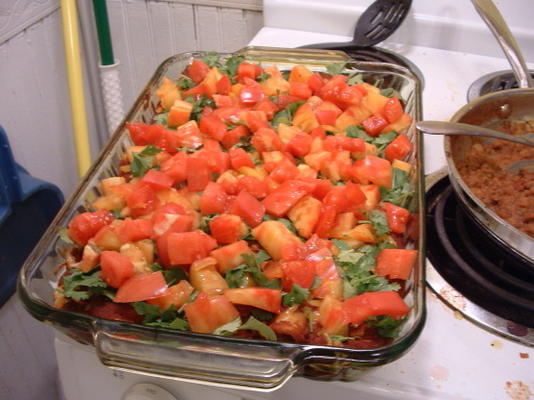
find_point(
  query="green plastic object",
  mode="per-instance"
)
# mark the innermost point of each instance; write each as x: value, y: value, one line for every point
x: 104, y: 36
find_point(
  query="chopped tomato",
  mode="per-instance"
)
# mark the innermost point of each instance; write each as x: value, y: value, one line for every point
x: 232, y: 136
x: 373, y: 304
x: 399, y: 148
x: 300, y: 144
x: 266, y: 139
x: 300, y: 90
x: 263, y: 298
x: 212, y: 126
x: 142, y: 200
x: 213, y: 199
x: 133, y: 230
x: 187, y: 247
x: 142, y: 287
x: 247, y: 70
x: 374, y: 124
x: 393, y: 110
x: 224, y: 85
x: 84, y: 226
x: 157, y: 180
x: 175, y: 167
x: 176, y: 296
x: 144, y: 134
x: 372, y: 169
x: 395, y: 263
x: 227, y: 228
x: 251, y: 95
x: 197, y: 71
x: 397, y: 217
x: 254, y: 186
x: 267, y: 106
x: 198, y: 174
x: 280, y: 200
x: 300, y: 272
x: 327, y: 220
x: 207, y: 313
x: 248, y: 208
x: 240, y: 158
x: 115, y: 269
x: 315, y: 82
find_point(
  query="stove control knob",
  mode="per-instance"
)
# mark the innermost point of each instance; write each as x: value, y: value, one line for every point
x: 147, y: 391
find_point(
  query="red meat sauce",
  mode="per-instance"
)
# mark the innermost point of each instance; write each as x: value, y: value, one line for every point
x: 509, y: 195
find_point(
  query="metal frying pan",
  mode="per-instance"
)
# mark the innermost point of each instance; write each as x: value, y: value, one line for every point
x: 490, y: 111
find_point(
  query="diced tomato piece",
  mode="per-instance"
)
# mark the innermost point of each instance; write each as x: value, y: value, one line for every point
x: 266, y: 139
x: 223, y: 101
x: 327, y: 221
x: 399, y: 148
x: 142, y: 287
x: 299, y: 73
x: 254, y: 186
x: 144, y: 134
x: 332, y: 89
x: 372, y: 304
x: 374, y: 170
x: 322, y: 187
x: 300, y: 144
x: 283, y: 100
x: 176, y: 296
x: 284, y: 171
x: 280, y: 200
x: 142, y: 200
x: 250, y: 95
x: 213, y: 199
x: 227, y: 228
x: 230, y: 256
x: 300, y: 90
x: 175, y: 167
x: 262, y: 298
x: 186, y: 247
x: 171, y: 218
x: 397, y: 217
x: 212, y: 126
x: 179, y: 113
x: 198, y: 174
x: 344, y: 198
x: 315, y: 82
x: 255, y: 120
x: 326, y: 117
x: 232, y: 136
x: 197, y: 71
x: 133, y: 230
x: 300, y: 272
x: 115, y: 269
x: 247, y: 70
x: 350, y: 96
x: 267, y: 106
x: 84, y: 226
x: 157, y: 180
x: 248, y: 208
x: 207, y: 313
x: 332, y: 316
x: 240, y: 158
x: 374, y: 124
x: 393, y: 110
x: 197, y: 91
x: 224, y: 85
x: 395, y: 263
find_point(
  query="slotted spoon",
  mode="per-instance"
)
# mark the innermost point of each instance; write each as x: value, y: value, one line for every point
x: 376, y: 24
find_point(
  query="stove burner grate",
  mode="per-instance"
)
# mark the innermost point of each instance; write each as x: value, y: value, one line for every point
x: 473, y: 263
x: 493, y: 82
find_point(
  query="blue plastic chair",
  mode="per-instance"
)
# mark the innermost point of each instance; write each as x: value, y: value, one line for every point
x: 27, y: 206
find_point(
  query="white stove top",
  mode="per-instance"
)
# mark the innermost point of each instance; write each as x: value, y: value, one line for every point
x: 453, y: 358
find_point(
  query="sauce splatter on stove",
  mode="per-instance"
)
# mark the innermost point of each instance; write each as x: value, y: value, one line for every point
x: 517, y: 390
x: 453, y: 297
x: 496, y: 344
x: 523, y: 355
x: 439, y: 373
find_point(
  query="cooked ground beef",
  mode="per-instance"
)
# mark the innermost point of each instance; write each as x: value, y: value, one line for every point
x: 509, y: 195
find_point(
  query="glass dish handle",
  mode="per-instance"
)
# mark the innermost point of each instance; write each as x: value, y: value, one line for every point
x: 195, y: 358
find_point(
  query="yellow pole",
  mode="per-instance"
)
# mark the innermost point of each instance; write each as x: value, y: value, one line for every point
x: 69, y: 17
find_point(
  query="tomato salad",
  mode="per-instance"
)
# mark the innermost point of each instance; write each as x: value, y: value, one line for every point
x: 259, y: 203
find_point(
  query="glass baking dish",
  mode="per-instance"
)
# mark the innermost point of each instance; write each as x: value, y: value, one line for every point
x: 209, y: 359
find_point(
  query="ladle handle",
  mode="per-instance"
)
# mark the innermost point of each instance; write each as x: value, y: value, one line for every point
x: 493, y: 18
x: 456, y: 128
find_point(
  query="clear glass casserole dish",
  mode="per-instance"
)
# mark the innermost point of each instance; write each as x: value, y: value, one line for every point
x: 210, y: 359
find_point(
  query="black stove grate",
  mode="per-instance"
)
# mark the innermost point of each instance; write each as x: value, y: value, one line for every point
x: 475, y: 264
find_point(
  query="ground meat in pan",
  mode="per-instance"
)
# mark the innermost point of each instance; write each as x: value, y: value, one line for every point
x: 509, y: 195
